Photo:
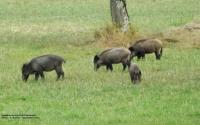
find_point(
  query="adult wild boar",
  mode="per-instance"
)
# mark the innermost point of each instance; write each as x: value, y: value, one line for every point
x: 135, y: 73
x: 43, y: 63
x: 112, y: 56
x: 146, y: 46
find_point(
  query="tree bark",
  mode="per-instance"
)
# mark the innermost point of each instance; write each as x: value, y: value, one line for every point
x: 119, y: 14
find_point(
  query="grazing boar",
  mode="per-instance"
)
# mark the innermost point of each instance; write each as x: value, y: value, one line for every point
x: 112, y: 56
x: 43, y: 63
x: 135, y: 73
x: 146, y: 46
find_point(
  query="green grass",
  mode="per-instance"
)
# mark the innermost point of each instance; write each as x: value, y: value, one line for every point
x: 169, y: 91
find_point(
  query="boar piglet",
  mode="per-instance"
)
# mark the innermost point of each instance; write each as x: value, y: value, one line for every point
x: 135, y: 73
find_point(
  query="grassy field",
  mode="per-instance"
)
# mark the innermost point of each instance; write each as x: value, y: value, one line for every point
x: 168, y: 94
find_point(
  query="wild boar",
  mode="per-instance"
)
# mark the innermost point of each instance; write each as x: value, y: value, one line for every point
x: 43, y: 63
x: 135, y: 73
x: 146, y: 46
x: 112, y: 56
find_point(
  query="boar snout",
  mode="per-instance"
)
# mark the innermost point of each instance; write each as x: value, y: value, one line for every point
x: 96, y: 67
x: 25, y: 77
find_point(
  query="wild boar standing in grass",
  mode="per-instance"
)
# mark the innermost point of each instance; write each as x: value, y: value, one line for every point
x: 146, y: 46
x: 112, y: 56
x: 43, y: 63
x: 135, y: 73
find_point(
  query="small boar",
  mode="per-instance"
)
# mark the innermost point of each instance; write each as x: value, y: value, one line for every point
x: 43, y: 63
x: 146, y: 46
x: 112, y: 56
x: 135, y: 73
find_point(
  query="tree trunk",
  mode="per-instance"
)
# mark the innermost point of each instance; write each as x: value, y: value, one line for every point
x: 119, y: 14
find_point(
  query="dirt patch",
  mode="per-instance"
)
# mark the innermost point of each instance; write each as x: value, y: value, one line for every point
x: 185, y: 36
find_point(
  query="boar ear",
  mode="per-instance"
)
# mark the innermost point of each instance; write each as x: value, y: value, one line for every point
x: 96, y: 58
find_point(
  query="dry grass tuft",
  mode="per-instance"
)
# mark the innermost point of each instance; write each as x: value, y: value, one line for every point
x: 111, y: 36
x: 186, y: 36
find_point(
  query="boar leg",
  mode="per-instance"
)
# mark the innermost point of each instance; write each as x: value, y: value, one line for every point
x: 132, y: 80
x: 63, y: 74
x: 132, y: 77
x: 36, y: 76
x: 140, y: 76
x: 143, y: 56
x: 135, y: 77
x: 111, y: 67
x: 124, y: 66
x: 140, y: 54
x: 138, y: 57
x: 26, y: 78
x: 59, y: 72
x: 42, y: 75
x: 107, y: 67
x: 157, y: 55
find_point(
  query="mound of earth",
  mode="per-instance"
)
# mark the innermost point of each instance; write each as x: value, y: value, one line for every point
x: 185, y: 36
